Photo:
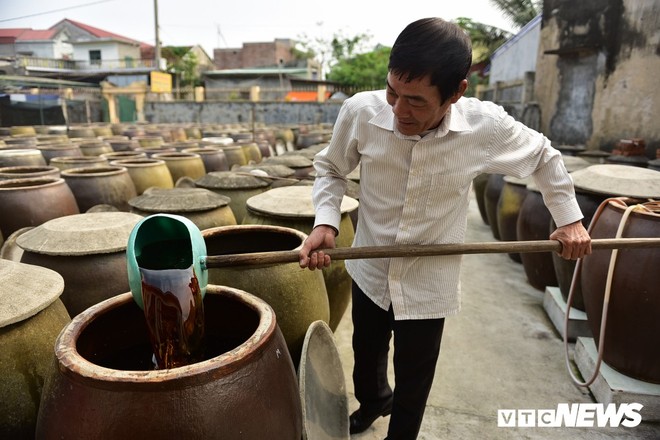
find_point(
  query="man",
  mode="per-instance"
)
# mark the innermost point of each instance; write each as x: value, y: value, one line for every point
x: 419, y: 144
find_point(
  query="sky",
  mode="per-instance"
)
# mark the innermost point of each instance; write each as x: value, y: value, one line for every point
x: 229, y: 24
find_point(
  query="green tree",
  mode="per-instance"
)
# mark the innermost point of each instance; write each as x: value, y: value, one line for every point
x: 182, y: 62
x: 519, y: 12
x: 485, y: 39
x: 329, y: 52
x: 363, y: 71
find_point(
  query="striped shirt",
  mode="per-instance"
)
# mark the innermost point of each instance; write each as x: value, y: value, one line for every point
x: 415, y: 190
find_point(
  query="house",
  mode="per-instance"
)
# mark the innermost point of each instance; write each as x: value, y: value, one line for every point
x: 75, y: 51
x: 250, y: 55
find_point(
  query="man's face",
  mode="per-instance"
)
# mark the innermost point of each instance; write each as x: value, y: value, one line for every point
x: 416, y: 104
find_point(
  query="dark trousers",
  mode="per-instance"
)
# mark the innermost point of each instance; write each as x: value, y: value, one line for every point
x: 416, y: 350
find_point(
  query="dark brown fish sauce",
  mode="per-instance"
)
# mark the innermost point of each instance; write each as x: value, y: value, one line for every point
x: 173, y: 306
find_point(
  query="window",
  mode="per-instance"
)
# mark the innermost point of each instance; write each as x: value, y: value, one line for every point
x: 95, y: 57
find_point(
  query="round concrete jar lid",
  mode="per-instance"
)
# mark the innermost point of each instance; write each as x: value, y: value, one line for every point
x: 274, y: 169
x: 618, y: 180
x: 81, y: 234
x: 25, y: 290
x: 292, y: 161
x: 230, y: 180
x: 574, y: 163
x: 178, y: 200
x: 292, y: 201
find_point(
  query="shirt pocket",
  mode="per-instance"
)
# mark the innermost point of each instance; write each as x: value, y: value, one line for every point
x: 446, y: 192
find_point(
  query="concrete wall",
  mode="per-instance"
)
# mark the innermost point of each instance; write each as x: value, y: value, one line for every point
x: 41, y: 49
x: 516, y: 56
x: 254, y: 55
x: 222, y: 112
x: 597, y: 72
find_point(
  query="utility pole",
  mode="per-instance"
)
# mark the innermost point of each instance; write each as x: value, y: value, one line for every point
x: 157, y: 51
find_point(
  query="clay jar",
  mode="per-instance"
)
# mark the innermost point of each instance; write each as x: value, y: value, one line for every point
x: 30, y: 157
x: 238, y: 187
x: 300, y: 164
x: 479, y: 186
x: 31, y: 202
x: 251, y: 151
x: 182, y: 164
x: 95, y: 148
x: 87, y: 250
x: 298, y: 296
x: 512, y: 195
x: 235, y: 155
x: 203, y: 207
x: 59, y: 150
x: 292, y: 207
x: 28, y: 172
x: 31, y: 317
x: 633, y: 329
x: 146, y: 173
x: 68, y: 162
x: 534, y: 224
x: 214, y: 158
x: 491, y: 198
x: 108, y: 185
x: 102, y: 377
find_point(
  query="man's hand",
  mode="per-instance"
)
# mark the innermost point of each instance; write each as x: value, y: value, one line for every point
x: 321, y: 237
x: 574, y: 239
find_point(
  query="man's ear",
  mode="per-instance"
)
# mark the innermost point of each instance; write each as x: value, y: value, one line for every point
x: 462, y: 87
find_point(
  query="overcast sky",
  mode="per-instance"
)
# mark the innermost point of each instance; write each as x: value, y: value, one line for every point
x: 218, y: 23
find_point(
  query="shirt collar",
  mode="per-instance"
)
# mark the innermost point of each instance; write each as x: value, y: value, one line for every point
x: 454, y: 120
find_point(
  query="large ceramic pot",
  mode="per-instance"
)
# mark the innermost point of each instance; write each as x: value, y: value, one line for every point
x: 108, y: 185
x: 292, y: 207
x: 203, y: 207
x: 95, y: 148
x: 146, y: 173
x: 29, y: 157
x: 28, y: 172
x: 300, y: 164
x: 214, y: 158
x: 121, y: 155
x: 183, y: 164
x: 59, y: 150
x: 534, y: 224
x: 237, y: 186
x: 234, y: 154
x: 68, y: 162
x: 632, y: 338
x: 491, y: 198
x: 298, y: 296
x: 479, y: 186
x: 87, y: 250
x: 31, y: 317
x: 31, y: 202
x: 594, y: 184
x: 251, y: 151
x: 101, y: 384
x: 507, y: 210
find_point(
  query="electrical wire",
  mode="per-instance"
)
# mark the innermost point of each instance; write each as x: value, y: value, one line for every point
x: 56, y: 10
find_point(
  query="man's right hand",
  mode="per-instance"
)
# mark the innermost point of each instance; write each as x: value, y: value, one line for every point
x: 311, y: 253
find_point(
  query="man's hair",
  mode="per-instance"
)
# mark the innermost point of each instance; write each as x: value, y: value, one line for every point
x: 434, y: 47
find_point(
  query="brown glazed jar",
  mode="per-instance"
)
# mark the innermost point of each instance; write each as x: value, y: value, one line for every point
x: 28, y: 172
x: 88, y: 250
x: 102, y: 385
x: 109, y: 185
x: 146, y: 173
x: 31, y: 202
x: 31, y: 317
x: 632, y: 339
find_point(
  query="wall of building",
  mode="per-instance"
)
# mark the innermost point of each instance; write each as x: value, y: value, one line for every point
x: 109, y: 51
x: 254, y: 55
x: 596, y: 76
x: 516, y: 56
x: 223, y: 112
x: 41, y: 49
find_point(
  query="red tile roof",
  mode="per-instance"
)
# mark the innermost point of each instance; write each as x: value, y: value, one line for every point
x: 99, y: 33
x: 35, y: 34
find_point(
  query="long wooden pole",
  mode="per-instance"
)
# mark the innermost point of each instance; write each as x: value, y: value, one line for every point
x: 350, y: 253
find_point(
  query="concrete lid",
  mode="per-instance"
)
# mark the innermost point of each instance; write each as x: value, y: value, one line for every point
x: 292, y: 161
x: 274, y: 169
x: 618, y: 180
x: 178, y: 200
x: 25, y: 290
x: 81, y: 234
x: 292, y: 201
x: 322, y: 386
x: 230, y: 180
x: 574, y: 163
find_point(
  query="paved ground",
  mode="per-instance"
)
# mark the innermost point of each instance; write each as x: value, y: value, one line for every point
x: 500, y: 352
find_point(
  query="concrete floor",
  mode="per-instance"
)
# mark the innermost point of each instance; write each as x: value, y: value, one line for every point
x: 500, y: 352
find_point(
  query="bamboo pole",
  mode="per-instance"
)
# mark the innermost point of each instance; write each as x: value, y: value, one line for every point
x: 350, y: 253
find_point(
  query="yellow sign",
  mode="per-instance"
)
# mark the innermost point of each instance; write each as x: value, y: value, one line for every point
x: 161, y: 82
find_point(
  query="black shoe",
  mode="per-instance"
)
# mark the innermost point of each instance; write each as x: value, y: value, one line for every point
x: 360, y: 420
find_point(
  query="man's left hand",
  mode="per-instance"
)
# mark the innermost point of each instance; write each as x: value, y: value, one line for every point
x: 574, y: 239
